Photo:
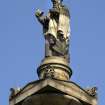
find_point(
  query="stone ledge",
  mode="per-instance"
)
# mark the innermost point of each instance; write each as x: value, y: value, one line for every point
x: 66, y: 87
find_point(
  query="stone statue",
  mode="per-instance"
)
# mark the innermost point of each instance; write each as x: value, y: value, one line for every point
x: 56, y: 29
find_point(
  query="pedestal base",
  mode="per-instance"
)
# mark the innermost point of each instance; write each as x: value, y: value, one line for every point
x: 54, y: 67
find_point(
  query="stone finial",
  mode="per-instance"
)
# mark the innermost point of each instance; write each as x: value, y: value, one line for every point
x: 92, y: 91
x: 14, y: 91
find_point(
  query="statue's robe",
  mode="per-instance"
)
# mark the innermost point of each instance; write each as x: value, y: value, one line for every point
x: 52, y: 28
x: 64, y: 21
x: 59, y: 21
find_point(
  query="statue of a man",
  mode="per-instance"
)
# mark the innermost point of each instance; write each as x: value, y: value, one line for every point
x: 56, y: 29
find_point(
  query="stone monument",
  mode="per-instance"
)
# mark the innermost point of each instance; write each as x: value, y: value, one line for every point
x: 53, y: 86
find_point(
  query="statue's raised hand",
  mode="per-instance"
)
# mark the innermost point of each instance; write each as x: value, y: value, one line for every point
x: 38, y: 13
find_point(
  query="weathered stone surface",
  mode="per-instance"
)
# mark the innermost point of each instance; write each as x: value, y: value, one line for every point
x: 54, y: 72
x: 54, y: 67
x: 51, y: 99
x: 56, y: 87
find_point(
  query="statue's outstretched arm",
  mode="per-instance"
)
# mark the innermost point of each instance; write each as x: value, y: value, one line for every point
x: 42, y: 19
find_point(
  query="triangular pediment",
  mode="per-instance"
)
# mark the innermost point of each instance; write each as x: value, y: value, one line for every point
x: 49, y: 89
x: 53, y: 86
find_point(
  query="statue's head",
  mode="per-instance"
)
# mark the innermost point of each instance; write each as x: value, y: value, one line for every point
x: 57, y: 1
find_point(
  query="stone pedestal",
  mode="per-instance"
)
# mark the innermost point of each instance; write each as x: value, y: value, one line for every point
x: 54, y: 67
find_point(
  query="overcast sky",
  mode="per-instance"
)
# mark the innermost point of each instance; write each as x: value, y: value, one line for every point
x: 22, y: 44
